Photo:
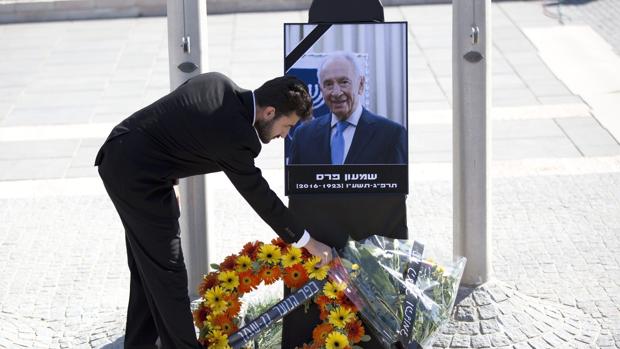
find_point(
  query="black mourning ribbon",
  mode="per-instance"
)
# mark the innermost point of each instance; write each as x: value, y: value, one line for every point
x: 411, y: 299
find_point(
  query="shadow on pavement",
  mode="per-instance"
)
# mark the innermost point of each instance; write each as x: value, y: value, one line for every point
x: 117, y: 344
x: 567, y: 2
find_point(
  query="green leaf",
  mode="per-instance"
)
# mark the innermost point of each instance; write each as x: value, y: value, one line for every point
x: 366, y: 338
x: 214, y: 266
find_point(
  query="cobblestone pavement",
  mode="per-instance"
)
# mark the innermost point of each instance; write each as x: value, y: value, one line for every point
x: 553, y: 241
x: 64, y: 279
x: 602, y: 15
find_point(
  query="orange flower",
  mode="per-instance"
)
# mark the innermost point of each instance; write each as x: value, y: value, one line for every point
x: 305, y: 254
x: 208, y: 281
x: 229, y: 328
x: 251, y: 249
x: 229, y: 263
x: 324, y: 314
x: 200, y: 315
x: 270, y: 274
x: 233, y: 306
x: 220, y: 319
x: 319, y: 334
x: 322, y: 301
x: 355, y: 331
x: 344, y: 301
x: 225, y: 324
x: 281, y: 244
x: 247, y: 281
x: 295, y: 276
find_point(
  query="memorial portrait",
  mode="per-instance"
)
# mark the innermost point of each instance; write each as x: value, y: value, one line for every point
x: 357, y: 77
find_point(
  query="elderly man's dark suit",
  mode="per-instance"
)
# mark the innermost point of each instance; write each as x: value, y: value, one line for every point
x: 377, y: 140
x: 203, y: 126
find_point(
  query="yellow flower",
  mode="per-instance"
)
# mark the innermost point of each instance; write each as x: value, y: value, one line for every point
x: 244, y: 263
x: 336, y: 340
x: 311, y: 263
x: 292, y: 257
x: 320, y: 273
x: 331, y: 289
x: 228, y: 279
x: 314, y: 272
x: 210, y: 319
x: 269, y: 254
x: 355, y: 266
x: 340, y: 316
x: 215, y: 299
x: 217, y: 339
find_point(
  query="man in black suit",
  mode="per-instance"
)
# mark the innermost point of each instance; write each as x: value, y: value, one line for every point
x: 350, y: 134
x: 206, y: 125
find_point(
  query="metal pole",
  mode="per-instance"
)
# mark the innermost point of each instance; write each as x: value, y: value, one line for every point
x: 187, y: 38
x: 471, y: 64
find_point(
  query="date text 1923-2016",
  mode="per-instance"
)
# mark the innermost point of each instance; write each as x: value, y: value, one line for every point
x: 330, y: 180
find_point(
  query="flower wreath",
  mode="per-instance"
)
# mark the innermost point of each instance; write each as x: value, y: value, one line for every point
x: 217, y: 315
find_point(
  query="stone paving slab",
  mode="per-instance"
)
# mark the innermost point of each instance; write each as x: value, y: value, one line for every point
x: 589, y: 137
x: 523, y: 148
x: 38, y: 149
x: 33, y: 168
x: 533, y: 128
x: 569, y: 48
x: 430, y: 39
x: 48, y: 114
x: 601, y: 15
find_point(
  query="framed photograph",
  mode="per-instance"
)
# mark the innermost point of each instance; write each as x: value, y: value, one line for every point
x: 357, y: 139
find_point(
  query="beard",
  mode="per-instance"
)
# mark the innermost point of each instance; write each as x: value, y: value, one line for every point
x: 265, y: 130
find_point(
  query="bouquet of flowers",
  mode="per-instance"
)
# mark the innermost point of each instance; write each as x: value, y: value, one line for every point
x: 403, y: 296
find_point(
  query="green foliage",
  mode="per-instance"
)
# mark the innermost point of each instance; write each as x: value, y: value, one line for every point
x: 271, y: 337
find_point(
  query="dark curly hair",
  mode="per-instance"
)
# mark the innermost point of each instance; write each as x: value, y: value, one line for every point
x: 286, y: 94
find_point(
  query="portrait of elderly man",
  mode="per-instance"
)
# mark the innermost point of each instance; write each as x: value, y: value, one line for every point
x: 350, y: 133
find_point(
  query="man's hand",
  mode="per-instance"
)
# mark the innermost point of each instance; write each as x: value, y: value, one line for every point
x: 320, y: 250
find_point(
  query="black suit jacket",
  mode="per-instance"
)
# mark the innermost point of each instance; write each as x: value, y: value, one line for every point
x: 377, y: 140
x: 203, y: 126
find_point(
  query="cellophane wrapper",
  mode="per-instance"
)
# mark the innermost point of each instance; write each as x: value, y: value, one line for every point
x: 375, y: 272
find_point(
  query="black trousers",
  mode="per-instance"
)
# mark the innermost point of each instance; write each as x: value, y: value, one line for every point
x: 159, y: 305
